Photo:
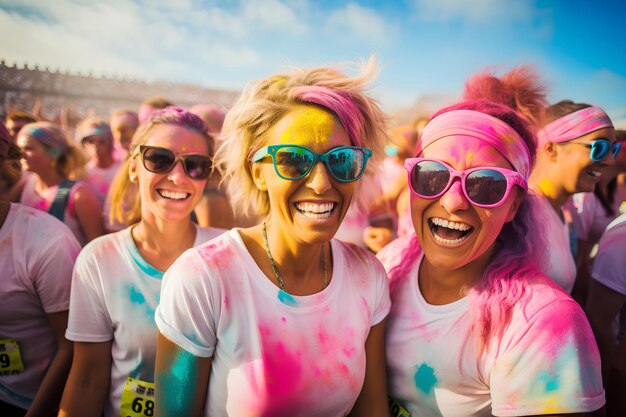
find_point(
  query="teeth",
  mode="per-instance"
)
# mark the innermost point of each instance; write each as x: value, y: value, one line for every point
x: 448, y: 241
x: 315, y: 210
x: 463, y: 227
x: 594, y: 173
x: 173, y: 195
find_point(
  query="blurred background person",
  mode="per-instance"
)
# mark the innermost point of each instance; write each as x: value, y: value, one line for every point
x: 150, y: 105
x: 55, y: 189
x: 123, y: 124
x: 36, y: 259
x: 96, y: 138
x: 576, y: 145
x: 607, y: 298
x: 16, y: 120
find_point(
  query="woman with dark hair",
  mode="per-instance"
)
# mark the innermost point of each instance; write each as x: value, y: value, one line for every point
x: 475, y: 327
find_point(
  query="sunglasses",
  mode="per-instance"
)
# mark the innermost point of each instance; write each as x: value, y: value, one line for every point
x: 485, y: 187
x: 161, y: 160
x: 292, y: 162
x: 600, y: 148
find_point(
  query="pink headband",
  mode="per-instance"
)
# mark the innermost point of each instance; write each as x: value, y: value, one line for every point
x: 480, y: 126
x: 574, y: 125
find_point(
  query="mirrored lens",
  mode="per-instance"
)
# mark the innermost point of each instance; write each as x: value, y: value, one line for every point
x: 292, y: 162
x: 346, y: 164
x: 616, y: 148
x: 197, y: 166
x: 158, y: 160
x: 485, y: 186
x: 429, y: 178
x: 599, y: 149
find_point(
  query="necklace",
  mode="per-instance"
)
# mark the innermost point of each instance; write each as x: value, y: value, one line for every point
x: 281, y: 283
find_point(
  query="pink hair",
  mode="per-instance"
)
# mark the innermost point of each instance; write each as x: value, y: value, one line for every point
x: 346, y: 107
x: 519, y: 247
x: 518, y: 89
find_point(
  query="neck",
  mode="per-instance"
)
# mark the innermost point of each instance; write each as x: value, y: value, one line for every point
x: 160, y: 242
x: 550, y: 188
x: 440, y: 285
x: 105, y: 162
x: 48, y: 178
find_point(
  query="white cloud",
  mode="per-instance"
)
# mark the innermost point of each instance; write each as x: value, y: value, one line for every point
x: 358, y: 22
x: 474, y: 11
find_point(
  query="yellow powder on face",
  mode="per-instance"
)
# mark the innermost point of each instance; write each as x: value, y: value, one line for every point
x: 470, y: 155
x: 309, y: 124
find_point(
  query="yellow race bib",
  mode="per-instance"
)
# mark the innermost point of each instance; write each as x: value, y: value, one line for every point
x: 396, y: 409
x: 10, y: 357
x: 137, y: 399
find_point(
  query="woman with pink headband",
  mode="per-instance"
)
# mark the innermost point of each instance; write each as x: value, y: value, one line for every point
x: 475, y: 328
x: 574, y: 148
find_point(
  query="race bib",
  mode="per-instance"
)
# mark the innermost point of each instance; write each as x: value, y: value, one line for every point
x: 396, y: 409
x: 137, y: 398
x: 10, y: 357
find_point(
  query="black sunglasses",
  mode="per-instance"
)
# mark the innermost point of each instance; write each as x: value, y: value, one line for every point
x: 162, y: 160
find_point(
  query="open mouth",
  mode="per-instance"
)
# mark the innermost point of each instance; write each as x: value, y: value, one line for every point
x: 449, y: 233
x: 317, y: 211
x: 596, y: 173
x: 173, y: 195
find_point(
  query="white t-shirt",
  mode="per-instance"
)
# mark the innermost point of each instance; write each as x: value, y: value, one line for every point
x: 560, y: 265
x: 273, y: 353
x: 100, y: 179
x: 115, y: 292
x: 31, y: 198
x: 546, y: 361
x: 609, y: 267
x: 37, y: 253
x: 589, y: 216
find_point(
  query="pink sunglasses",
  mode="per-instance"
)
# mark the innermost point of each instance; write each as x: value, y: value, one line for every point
x: 485, y: 187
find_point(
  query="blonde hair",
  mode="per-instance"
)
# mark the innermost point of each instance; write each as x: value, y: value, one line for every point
x: 69, y: 160
x: 125, y: 200
x: 263, y: 104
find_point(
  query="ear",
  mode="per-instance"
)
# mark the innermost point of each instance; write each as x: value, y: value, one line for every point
x: 258, y: 177
x: 132, y: 171
x: 551, y: 151
x: 519, y: 197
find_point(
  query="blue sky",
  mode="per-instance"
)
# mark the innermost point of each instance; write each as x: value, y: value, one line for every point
x: 427, y: 48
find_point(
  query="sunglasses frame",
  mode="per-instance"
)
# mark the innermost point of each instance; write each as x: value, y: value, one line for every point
x: 272, y: 150
x: 513, y: 178
x: 177, y: 158
x: 612, y: 149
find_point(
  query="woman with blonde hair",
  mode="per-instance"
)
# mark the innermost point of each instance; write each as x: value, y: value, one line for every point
x: 117, y: 278
x: 58, y: 164
x: 280, y: 318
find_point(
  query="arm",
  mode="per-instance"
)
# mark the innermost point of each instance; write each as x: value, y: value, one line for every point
x: 89, y: 213
x: 181, y: 380
x: 88, y: 383
x: 49, y: 392
x: 603, y: 305
x: 373, y: 398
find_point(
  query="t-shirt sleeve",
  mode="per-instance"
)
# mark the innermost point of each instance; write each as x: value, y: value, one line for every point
x: 54, y: 271
x: 583, y: 212
x: 609, y: 267
x: 89, y: 319
x: 548, y: 364
x: 383, y: 302
x: 186, y: 314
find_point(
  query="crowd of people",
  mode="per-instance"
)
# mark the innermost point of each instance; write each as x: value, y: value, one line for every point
x: 303, y: 255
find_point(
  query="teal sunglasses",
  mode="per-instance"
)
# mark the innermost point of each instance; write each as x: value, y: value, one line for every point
x: 292, y: 162
x: 599, y: 149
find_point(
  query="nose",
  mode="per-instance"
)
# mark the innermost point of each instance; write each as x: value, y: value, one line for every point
x: 177, y: 173
x: 318, y: 179
x: 454, y: 199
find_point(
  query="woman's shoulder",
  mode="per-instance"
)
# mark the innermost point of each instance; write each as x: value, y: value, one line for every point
x: 204, y: 234
x: 105, y: 247
x: 224, y: 245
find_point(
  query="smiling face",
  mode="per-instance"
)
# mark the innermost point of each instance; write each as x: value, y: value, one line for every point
x: 37, y: 157
x: 309, y: 209
x: 573, y: 158
x: 452, y: 232
x: 172, y: 195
